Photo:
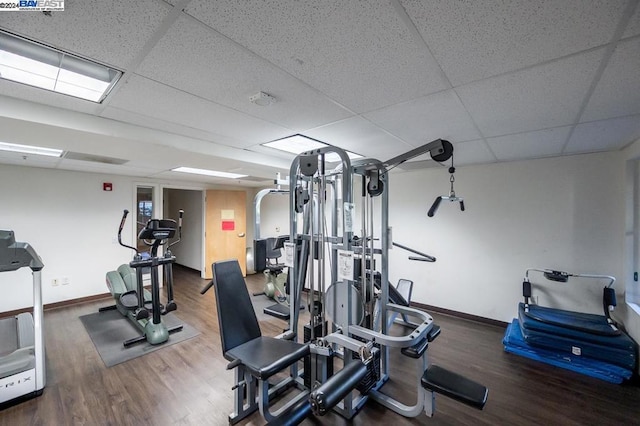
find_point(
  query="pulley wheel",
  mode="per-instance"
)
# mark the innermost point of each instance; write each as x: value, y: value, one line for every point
x: 445, y: 154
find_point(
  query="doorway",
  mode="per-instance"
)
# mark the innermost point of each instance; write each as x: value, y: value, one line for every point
x: 189, y: 251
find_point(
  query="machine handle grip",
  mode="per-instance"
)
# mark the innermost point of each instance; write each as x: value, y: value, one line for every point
x: 462, y: 205
x: 180, y: 214
x: 122, y: 221
x: 206, y: 287
x: 434, y: 206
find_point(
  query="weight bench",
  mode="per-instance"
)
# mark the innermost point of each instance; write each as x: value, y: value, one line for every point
x: 440, y: 380
x: 255, y: 358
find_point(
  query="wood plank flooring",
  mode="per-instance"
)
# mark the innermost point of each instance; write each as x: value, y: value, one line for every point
x: 187, y: 384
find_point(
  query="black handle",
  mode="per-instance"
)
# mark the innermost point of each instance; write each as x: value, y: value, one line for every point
x: 434, y: 206
x: 206, y: 287
x: 122, y: 221
x: 461, y: 205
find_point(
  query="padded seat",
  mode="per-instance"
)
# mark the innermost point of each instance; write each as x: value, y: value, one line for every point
x: 265, y: 356
x: 240, y: 332
x: 455, y: 386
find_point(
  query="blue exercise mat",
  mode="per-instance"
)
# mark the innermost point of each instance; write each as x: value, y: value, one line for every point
x: 514, y: 343
x: 617, y: 349
x: 540, y: 318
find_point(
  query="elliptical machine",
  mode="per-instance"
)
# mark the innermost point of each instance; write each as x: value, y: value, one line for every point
x: 126, y: 284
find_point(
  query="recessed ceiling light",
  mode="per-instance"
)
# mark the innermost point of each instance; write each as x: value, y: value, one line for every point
x: 332, y: 157
x: 208, y: 172
x: 298, y: 144
x: 295, y: 144
x: 29, y: 149
x: 35, y: 64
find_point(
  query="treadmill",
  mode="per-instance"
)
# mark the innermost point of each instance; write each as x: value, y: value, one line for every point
x: 22, y: 367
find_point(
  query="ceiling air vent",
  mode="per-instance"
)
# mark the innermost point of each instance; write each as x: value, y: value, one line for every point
x: 93, y: 158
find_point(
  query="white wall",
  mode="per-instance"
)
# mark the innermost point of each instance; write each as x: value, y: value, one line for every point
x: 188, y: 251
x: 564, y: 213
x: 72, y: 224
x: 274, y: 215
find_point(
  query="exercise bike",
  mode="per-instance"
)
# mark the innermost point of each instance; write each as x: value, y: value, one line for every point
x: 126, y: 283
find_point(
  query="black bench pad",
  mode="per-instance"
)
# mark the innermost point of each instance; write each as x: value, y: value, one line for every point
x: 265, y: 356
x: 455, y: 386
x: 277, y: 310
x: 418, y: 349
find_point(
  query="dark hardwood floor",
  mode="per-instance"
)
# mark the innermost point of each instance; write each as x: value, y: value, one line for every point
x: 187, y: 384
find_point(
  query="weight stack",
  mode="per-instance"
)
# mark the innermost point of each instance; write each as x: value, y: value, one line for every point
x: 373, y: 370
x: 318, y: 359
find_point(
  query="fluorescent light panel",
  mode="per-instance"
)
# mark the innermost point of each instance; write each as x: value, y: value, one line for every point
x: 298, y: 144
x: 28, y: 149
x: 207, y: 172
x: 295, y: 144
x: 37, y: 65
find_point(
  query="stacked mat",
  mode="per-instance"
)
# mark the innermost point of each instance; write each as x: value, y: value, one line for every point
x: 584, y: 343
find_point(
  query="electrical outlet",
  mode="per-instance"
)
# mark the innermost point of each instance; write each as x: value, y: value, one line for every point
x: 55, y: 282
x: 65, y: 281
x: 277, y: 229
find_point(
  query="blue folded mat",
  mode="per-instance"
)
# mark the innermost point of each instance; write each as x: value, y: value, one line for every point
x: 514, y: 343
x: 617, y: 349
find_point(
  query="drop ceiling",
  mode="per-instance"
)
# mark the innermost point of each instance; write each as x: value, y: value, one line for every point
x: 502, y: 80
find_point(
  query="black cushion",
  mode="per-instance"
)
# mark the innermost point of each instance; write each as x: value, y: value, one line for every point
x: 416, y: 350
x: 453, y: 385
x: 278, y: 310
x: 236, y: 317
x: 265, y: 356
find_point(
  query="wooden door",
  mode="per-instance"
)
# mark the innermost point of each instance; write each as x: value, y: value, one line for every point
x: 226, y: 228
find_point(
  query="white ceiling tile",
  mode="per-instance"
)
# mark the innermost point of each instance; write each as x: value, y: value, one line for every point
x: 618, y: 91
x: 546, y: 96
x: 472, y: 152
x: 165, y: 103
x: 195, y: 59
x: 18, y: 159
x: 633, y: 27
x: 142, y: 120
x: 543, y: 143
x: 604, y: 135
x: 361, y: 54
x: 475, y: 40
x: 113, y: 32
x: 440, y: 115
x: 86, y: 166
x: 362, y: 137
x: 47, y: 97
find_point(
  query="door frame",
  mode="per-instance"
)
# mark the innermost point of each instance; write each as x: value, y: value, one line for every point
x: 203, y: 193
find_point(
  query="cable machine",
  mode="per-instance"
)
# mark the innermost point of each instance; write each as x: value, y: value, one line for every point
x: 339, y: 271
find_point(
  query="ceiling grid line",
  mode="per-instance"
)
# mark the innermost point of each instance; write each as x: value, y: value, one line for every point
x: 404, y: 16
x: 258, y: 56
x: 606, y: 57
x: 504, y: 81
x: 148, y: 46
